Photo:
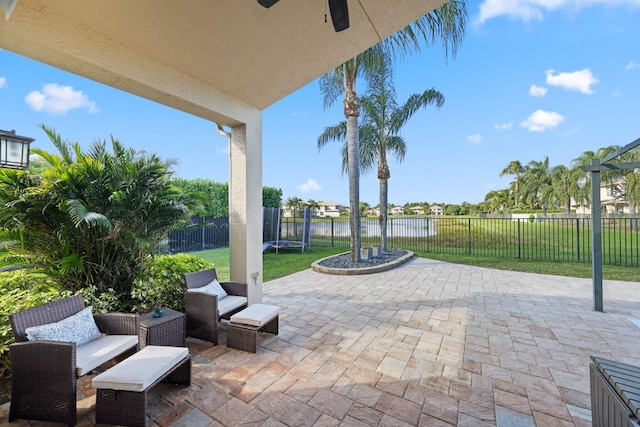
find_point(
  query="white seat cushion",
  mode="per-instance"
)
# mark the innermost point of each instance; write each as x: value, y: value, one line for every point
x: 230, y: 303
x: 256, y: 315
x: 141, y: 370
x: 94, y: 353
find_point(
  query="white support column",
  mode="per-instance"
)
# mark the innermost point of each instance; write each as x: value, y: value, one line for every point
x: 245, y: 206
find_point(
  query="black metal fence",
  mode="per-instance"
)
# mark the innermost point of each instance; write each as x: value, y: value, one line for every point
x: 551, y: 238
x: 204, y: 233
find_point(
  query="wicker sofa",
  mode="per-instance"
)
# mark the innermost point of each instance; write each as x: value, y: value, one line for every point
x: 204, y: 311
x: 45, y: 373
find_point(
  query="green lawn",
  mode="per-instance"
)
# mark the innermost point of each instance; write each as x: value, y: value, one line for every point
x: 274, y: 265
x: 290, y: 261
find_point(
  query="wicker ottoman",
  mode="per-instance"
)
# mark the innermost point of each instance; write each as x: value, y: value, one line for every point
x: 121, y: 395
x: 242, y: 331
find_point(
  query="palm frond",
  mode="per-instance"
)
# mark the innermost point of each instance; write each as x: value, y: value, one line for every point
x: 80, y: 214
x: 336, y: 133
x: 62, y: 146
x: 331, y: 86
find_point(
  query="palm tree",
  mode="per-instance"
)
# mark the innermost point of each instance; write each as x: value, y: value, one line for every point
x: 514, y: 168
x: 536, y: 184
x: 313, y: 205
x: 446, y: 23
x: 632, y: 183
x: 565, y: 186
x: 606, y: 176
x: 295, y: 204
x: 379, y: 133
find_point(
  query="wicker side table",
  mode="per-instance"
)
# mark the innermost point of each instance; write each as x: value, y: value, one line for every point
x: 168, y: 330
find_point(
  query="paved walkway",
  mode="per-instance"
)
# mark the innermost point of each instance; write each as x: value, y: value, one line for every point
x: 428, y: 343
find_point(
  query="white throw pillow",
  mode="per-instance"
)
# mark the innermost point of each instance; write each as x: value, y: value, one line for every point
x: 79, y: 328
x: 212, y: 288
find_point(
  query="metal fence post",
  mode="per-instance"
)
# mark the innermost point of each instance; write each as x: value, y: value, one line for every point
x: 519, y: 244
x: 203, y: 246
x: 333, y: 236
x: 578, y: 238
x: 469, y: 236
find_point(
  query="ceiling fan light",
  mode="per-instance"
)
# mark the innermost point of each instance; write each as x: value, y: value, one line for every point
x: 267, y: 3
x: 339, y: 14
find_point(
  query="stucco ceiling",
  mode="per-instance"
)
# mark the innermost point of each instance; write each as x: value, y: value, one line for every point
x: 213, y: 58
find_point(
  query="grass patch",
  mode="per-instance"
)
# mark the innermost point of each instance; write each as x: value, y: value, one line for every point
x: 609, y: 272
x: 290, y: 261
x: 285, y: 262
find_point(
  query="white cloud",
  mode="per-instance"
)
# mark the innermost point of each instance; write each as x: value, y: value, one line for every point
x: 504, y: 126
x: 309, y: 186
x: 520, y: 9
x: 616, y: 93
x: 631, y: 65
x: 580, y: 81
x: 529, y: 10
x: 474, y: 139
x: 537, y: 91
x: 56, y: 99
x: 299, y: 113
x: 3, y: 82
x: 540, y: 121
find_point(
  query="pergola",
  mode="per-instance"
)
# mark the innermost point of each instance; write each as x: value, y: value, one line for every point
x: 594, y: 169
x: 221, y: 60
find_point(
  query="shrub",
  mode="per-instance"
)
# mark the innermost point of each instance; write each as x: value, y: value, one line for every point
x: 162, y: 282
x: 93, y: 216
x: 21, y: 290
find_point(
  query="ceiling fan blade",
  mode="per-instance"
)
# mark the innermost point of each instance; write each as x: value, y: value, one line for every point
x: 267, y: 3
x: 339, y: 14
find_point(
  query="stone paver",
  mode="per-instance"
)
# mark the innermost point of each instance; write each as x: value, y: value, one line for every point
x: 427, y: 343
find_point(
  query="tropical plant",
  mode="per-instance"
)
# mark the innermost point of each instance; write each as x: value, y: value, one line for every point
x: 91, y: 218
x: 565, y: 186
x: 446, y: 23
x: 162, y: 282
x: 379, y: 132
x: 514, y: 168
x: 295, y: 204
x: 312, y: 204
x: 535, y: 189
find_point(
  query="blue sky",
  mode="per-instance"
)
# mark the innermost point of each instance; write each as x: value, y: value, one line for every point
x: 532, y: 78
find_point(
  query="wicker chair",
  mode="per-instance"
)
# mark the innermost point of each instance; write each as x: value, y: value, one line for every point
x: 44, y: 374
x: 203, y: 318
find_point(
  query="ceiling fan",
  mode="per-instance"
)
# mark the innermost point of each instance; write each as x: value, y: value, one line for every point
x: 338, y: 9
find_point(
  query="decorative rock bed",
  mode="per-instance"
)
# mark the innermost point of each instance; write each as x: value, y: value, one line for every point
x: 341, y: 264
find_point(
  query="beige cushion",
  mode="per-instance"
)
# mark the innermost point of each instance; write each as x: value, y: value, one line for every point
x: 94, y: 353
x: 230, y: 303
x: 256, y: 315
x: 141, y: 370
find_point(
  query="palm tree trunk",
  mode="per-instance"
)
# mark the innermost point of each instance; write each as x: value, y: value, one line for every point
x: 351, y: 113
x: 383, y: 177
x: 384, y: 207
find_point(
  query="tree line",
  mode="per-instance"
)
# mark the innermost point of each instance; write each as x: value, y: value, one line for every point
x: 539, y: 187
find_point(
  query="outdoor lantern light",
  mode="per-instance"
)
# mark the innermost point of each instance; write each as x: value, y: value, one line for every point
x: 14, y: 150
